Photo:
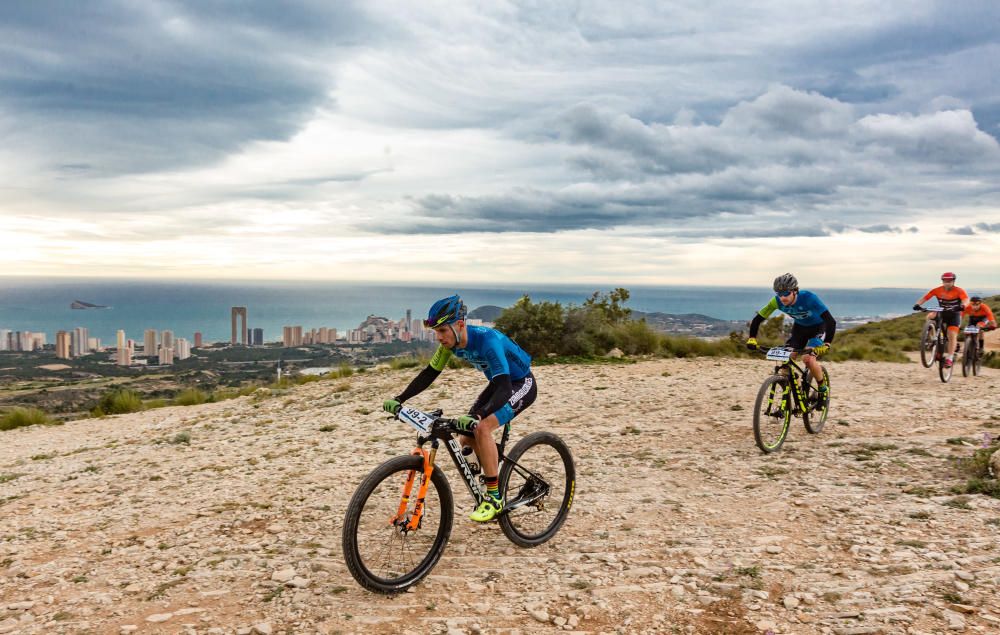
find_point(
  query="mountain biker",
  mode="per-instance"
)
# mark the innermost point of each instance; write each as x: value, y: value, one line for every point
x: 953, y: 301
x: 811, y: 319
x: 980, y: 315
x: 511, y: 389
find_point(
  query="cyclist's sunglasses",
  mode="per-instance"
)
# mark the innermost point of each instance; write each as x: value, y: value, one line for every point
x: 785, y: 294
x: 431, y: 324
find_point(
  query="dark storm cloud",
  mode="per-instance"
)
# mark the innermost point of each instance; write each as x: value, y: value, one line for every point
x: 139, y: 86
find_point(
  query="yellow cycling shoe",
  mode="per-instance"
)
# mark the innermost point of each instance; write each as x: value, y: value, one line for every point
x: 487, y: 510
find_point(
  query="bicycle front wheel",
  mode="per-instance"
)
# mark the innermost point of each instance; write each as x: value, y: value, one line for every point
x: 968, y: 358
x: 977, y: 360
x: 772, y: 413
x: 381, y: 553
x: 539, y: 478
x: 815, y: 418
x: 928, y: 345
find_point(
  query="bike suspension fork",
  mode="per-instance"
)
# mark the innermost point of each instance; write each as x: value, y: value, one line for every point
x: 425, y: 479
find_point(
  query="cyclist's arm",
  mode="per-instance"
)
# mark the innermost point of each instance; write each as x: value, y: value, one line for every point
x: 419, y: 384
x: 831, y: 326
x: 927, y: 296
x: 501, y: 391
x: 764, y: 313
x: 427, y: 376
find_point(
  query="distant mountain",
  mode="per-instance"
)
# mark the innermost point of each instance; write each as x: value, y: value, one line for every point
x: 486, y: 313
x: 690, y: 324
x: 80, y: 304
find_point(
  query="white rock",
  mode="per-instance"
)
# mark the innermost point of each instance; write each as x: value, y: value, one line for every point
x: 159, y: 617
x: 264, y: 628
x: 283, y: 575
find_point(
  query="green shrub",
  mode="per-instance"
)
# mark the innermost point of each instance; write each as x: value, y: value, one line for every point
x: 118, y: 401
x: 345, y: 370
x: 190, y: 397
x: 408, y: 361
x: 20, y: 417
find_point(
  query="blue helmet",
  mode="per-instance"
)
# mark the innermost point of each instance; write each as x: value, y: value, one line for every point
x: 445, y: 311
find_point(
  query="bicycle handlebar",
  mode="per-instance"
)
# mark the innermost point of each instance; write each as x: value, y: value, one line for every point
x: 429, y: 422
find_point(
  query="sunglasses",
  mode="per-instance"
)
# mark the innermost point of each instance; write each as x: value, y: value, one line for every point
x: 785, y: 294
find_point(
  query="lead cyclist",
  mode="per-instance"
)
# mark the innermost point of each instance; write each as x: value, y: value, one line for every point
x: 511, y: 390
x: 811, y: 320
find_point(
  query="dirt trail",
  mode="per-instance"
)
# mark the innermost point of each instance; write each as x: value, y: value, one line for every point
x: 680, y: 525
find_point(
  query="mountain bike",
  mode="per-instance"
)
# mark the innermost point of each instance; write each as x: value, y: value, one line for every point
x: 972, y: 360
x: 786, y: 393
x: 393, y: 538
x: 933, y: 344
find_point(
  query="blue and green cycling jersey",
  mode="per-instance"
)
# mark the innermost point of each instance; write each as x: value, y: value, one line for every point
x: 490, y: 351
x: 806, y: 310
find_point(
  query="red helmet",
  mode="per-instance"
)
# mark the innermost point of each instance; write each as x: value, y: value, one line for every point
x: 947, y: 275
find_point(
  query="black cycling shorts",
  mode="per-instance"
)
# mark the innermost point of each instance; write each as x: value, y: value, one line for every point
x: 525, y: 392
x: 951, y: 318
x: 801, y: 335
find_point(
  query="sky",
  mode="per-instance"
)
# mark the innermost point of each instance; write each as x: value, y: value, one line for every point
x: 684, y: 142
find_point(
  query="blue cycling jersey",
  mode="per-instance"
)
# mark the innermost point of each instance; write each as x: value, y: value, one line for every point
x: 806, y: 310
x: 490, y: 351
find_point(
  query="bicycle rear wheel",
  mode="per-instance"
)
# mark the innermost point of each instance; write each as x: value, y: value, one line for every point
x: 538, y: 477
x: 944, y: 371
x: 815, y: 419
x: 772, y: 413
x: 977, y: 360
x: 381, y: 554
x: 928, y: 345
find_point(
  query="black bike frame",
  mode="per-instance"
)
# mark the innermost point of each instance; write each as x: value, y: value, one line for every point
x: 444, y: 430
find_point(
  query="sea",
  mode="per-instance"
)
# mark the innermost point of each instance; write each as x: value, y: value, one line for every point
x: 43, y: 305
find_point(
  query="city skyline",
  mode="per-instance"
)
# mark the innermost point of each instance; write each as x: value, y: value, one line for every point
x: 670, y: 144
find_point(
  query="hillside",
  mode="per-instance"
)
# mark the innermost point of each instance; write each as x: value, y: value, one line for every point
x: 179, y: 520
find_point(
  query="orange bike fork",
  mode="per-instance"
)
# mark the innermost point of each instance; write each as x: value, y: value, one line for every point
x: 418, y: 509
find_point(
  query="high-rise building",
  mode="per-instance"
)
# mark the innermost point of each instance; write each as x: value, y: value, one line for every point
x: 197, y: 338
x: 37, y: 341
x: 94, y: 343
x: 63, y: 342
x: 123, y: 356
x: 149, y: 342
x: 4, y: 339
x: 239, y: 312
x: 166, y: 356
x: 167, y: 339
x: 258, y: 337
x: 182, y: 349
x: 80, y: 341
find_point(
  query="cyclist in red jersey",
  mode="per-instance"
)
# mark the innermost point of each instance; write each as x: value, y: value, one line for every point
x: 980, y: 315
x: 953, y: 301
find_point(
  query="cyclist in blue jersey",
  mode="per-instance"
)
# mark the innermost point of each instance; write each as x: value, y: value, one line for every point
x: 511, y: 390
x: 811, y: 320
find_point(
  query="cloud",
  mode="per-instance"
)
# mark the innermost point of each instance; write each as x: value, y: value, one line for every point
x: 123, y: 87
x: 962, y: 231
x: 988, y: 227
x: 786, y: 151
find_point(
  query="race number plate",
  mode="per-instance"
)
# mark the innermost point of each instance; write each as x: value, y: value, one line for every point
x: 779, y: 354
x: 419, y: 420
x: 972, y: 329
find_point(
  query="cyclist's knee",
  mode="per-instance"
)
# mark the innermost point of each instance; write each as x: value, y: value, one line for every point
x: 488, y: 424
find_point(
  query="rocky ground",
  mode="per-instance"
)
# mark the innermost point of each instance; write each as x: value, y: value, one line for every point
x: 225, y: 518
